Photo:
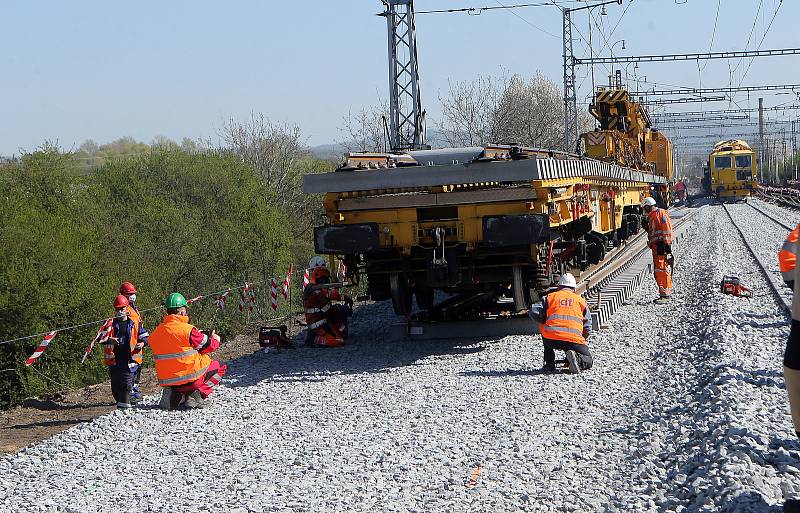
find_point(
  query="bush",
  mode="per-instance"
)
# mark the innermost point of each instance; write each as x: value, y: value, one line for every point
x: 166, y: 220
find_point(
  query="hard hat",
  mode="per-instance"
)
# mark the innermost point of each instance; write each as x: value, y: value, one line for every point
x: 567, y: 280
x: 175, y: 300
x: 121, y: 301
x: 317, y: 261
x: 319, y: 272
x: 127, y: 288
x: 649, y: 202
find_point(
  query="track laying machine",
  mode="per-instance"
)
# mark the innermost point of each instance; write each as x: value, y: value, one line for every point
x: 484, y: 224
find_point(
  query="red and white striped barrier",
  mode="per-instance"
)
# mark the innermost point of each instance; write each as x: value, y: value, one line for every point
x: 306, y: 278
x: 273, y: 294
x: 288, y: 280
x: 102, y: 335
x: 220, y: 301
x: 42, y: 346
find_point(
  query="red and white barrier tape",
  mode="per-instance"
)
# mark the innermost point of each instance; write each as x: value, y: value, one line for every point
x: 42, y: 346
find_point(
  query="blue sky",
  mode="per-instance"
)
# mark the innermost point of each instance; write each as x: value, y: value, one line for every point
x: 102, y: 70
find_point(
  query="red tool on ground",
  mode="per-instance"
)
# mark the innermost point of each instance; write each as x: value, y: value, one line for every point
x: 733, y: 285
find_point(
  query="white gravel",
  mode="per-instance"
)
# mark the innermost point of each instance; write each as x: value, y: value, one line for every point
x: 683, y: 411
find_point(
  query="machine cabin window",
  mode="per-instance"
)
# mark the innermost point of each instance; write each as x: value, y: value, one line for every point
x: 722, y: 162
x: 744, y: 161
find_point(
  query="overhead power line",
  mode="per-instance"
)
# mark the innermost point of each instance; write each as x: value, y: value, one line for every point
x: 688, y: 56
x: 478, y: 10
x: 711, y: 90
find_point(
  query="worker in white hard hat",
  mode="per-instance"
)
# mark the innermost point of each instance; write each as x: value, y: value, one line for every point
x: 317, y: 261
x: 659, y: 238
x: 565, y: 323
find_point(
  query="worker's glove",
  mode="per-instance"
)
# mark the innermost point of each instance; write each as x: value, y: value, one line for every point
x: 139, y: 346
x: 216, y: 337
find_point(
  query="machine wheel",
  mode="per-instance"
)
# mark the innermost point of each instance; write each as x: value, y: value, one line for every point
x: 401, y: 293
x: 518, y: 288
x: 378, y: 287
x: 424, y: 295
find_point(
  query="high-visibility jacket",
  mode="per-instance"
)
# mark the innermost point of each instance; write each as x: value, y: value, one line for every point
x: 317, y: 303
x: 565, y: 318
x: 787, y: 256
x: 177, y: 362
x: 659, y: 227
x: 109, y: 358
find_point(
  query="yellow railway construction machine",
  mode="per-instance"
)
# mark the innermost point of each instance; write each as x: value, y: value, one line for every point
x: 484, y: 224
x: 731, y: 171
x: 626, y: 138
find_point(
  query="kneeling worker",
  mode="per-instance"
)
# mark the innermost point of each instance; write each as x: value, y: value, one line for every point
x: 180, y: 353
x: 326, y: 323
x: 565, y: 324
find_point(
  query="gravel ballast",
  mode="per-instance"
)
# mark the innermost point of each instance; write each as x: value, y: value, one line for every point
x: 684, y: 410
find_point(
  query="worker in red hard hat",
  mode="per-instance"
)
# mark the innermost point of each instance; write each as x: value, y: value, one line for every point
x: 122, y: 353
x: 659, y: 238
x: 326, y: 322
x: 565, y: 324
x: 128, y: 290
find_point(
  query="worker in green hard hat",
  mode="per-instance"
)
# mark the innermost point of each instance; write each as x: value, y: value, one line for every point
x: 181, y: 354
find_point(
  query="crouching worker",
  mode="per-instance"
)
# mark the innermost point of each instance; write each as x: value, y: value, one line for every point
x: 326, y: 322
x: 565, y: 324
x: 180, y: 353
x: 122, y: 353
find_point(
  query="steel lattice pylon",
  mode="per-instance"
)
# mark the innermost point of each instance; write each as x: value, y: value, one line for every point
x: 406, y: 117
x: 570, y: 95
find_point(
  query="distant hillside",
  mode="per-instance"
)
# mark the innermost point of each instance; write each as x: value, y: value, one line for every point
x: 327, y: 151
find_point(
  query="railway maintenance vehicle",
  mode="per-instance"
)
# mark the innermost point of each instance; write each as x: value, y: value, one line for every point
x: 730, y: 171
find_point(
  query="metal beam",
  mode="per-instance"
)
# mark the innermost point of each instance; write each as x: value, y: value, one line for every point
x: 685, y: 100
x: 700, y: 127
x: 669, y: 121
x: 712, y: 90
x: 688, y: 56
x: 664, y: 115
x: 571, y: 140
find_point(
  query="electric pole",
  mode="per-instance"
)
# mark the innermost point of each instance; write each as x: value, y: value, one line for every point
x: 761, y: 129
x: 406, y: 117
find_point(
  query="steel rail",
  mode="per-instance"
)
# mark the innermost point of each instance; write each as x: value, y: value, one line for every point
x: 776, y: 287
x: 770, y: 216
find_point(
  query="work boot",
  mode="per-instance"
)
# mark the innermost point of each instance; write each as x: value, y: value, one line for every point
x: 549, y: 367
x: 166, y: 399
x: 662, y: 300
x: 123, y: 406
x: 194, y: 400
x: 572, y: 362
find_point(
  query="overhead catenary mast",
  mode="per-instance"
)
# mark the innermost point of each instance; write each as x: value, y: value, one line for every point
x: 406, y: 117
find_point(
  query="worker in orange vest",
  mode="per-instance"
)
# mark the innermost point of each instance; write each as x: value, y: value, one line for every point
x: 326, y: 322
x: 181, y: 355
x: 128, y: 290
x: 659, y: 238
x: 122, y: 353
x: 787, y: 258
x: 565, y: 323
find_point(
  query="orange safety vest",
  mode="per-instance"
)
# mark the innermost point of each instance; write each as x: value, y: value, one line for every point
x: 566, y: 312
x: 316, y: 304
x: 136, y: 355
x: 659, y: 226
x: 787, y: 256
x: 177, y: 362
